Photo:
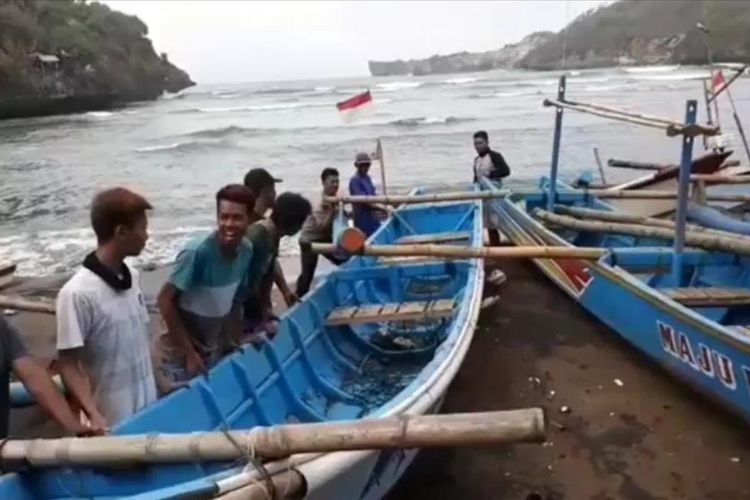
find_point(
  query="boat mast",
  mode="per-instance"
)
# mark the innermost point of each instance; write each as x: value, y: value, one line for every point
x: 686, y: 160
x: 552, y: 190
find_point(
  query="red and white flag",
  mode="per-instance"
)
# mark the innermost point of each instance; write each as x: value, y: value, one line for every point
x: 355, y: 102
x: 719, y: 82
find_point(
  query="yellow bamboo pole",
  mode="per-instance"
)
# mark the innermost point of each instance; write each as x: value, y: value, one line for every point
x: 720, y: 179
x: 404, y: 431
x: 658, y: 195
x: 611, y: 216
x: 705, y: 240
x: 288, y: 484
x: 420, y: 198
x: 463, y: 252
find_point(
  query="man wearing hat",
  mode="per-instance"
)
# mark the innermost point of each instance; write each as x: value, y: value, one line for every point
x: 366, y: 216
x: 263, y: 186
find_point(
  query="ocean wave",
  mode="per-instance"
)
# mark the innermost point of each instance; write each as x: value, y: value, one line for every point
x: 99, y: 114
x: 323, y: 89
x: 429, y: 120
x: 186, y: 146
x: 282, y: 90
x: 673, y: 77
x: 395, y: 86
x: 602, y: 88
x: 168, y: 97
x: 534, y: 82
x: 279, y: 106
x: 221, y: 132
x: 461, y: 81
x: 44, y: 253
x: 520, y: 93
x: 596, y: 79
x: 652, y: 69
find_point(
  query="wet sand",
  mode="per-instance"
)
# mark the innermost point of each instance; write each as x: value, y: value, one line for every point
x: 650, y: 438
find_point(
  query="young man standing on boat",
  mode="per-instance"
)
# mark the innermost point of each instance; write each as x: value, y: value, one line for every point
x: 263, y: 186
x: 318, y: 228
x: 367, y: 216
x: 15, y: 358
x: 490, y: 164
x: 103, y: 338
x: 201, y: 301
x: 289, y: 213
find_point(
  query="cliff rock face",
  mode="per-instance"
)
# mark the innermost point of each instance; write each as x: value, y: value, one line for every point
x: 59, y: 56
x: 653, y: 32
x: 506, y: 57
x: 627, y: 32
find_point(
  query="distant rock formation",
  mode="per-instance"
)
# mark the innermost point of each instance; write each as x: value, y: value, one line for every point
x: 631, y: 32
x: 627, y: 32
x: 506, y: 57
x: 62, y: 56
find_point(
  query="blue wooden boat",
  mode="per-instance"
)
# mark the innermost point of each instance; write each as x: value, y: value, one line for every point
x: 376, y: 338
x: 698, y: 328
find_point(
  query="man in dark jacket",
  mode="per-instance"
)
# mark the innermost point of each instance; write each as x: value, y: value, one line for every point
x: 488, y: 163
x: 492, y: 165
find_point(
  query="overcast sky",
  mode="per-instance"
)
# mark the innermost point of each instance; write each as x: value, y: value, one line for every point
x: 236, y: 41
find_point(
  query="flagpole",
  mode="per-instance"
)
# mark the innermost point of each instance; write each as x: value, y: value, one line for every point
x: 379, y: 151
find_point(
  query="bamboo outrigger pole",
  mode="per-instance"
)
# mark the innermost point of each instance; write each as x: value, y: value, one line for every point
x: 424, y: 431
x: 701, y: 239
x: 420, y: 198
x: 464, y: 252
x: 21, y: 304
x: 671, y: 129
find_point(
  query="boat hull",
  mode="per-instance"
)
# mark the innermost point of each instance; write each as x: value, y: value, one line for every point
x: 711, y: 358
x: 289, y: 376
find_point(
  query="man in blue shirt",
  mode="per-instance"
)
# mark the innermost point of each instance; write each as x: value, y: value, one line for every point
x: 367, y: 216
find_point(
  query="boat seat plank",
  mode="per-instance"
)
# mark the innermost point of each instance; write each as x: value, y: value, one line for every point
x: 341, y: 315
x: 442, y: 307
x: 401, y: 260
x: 708, y: 296
x: 417, y: 239
x: 376, y: 313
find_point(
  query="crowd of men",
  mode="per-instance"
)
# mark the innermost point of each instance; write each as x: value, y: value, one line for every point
x: 216, y: 298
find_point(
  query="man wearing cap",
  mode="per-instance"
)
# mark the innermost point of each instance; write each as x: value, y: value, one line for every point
x: 263, y: 186
x: 367, y: 216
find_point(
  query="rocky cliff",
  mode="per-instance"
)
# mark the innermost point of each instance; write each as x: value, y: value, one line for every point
x: 627, y: 32
x: 59, y: 56
x: 505, y: 57
x: 654, y: 32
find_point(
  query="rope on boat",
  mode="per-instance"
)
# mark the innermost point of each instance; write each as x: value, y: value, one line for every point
x: 671, y: 127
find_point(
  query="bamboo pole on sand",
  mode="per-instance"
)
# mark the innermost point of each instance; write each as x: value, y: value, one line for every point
x: 708, y: 241
x: 420, y: 198
x: 423, y: 431
x: 464, y: 252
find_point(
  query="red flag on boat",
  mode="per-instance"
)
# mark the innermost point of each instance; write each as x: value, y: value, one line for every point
x: 719, y: 82
x: 355, y: 102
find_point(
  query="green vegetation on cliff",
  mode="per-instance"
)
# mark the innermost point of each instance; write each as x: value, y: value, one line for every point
x: 648, y: 32
x: 75, y: 52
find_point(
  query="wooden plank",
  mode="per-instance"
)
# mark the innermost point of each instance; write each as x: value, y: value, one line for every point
x: 367, y: 313
x: 440, y: 308
x: 341, y: 315
x: 433, y: 238
x: 389, y: 309
x: 708, y: 296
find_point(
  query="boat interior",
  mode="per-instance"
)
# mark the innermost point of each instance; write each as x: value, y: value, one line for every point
x: 359, y: 343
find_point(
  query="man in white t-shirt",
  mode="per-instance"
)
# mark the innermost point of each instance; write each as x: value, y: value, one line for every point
x: 103, y: 340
